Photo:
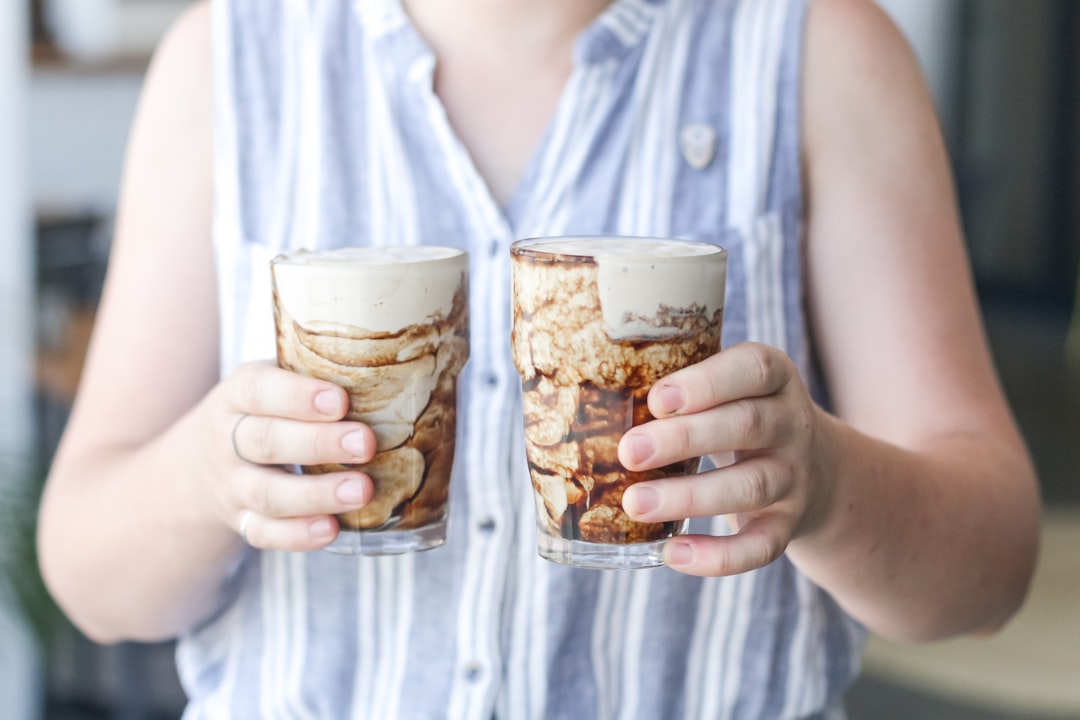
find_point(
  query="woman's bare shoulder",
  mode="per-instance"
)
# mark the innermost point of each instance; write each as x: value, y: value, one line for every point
x: 184, y: 57
x: 191, y: 30
x: 860, y: 72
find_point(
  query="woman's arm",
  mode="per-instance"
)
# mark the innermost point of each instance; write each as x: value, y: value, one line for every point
x: 935, y: 525
x: 916, y: 505
x: 138, y: 525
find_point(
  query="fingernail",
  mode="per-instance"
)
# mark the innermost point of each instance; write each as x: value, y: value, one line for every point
x: 355, y: 443
x: 643, y: 499
x: 672, y: 399
x: 641, y: 448
x: 321, y: 528
x: 351, y: 492
x: 328, y: 402
x: 679, y: 553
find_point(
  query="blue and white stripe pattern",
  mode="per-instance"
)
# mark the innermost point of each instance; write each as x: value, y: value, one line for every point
x: 329, y: 134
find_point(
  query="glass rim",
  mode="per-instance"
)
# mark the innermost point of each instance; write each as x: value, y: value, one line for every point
x: 529, y: 247
x: 321, y: 257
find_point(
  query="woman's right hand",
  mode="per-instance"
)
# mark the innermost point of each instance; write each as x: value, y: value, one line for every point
x: 263, y: 420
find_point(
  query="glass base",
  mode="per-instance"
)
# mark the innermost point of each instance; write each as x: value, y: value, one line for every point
x: 597, y: 556
x: 388, y: 542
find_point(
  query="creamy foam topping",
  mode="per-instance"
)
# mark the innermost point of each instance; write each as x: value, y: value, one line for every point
x: 638, y: 278
x: 377, y: 289
x: 624, y: 247
x: 370, y: 255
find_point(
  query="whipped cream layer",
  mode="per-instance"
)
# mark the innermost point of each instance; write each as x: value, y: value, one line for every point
x: 382, y: 290
x: 642, y: 282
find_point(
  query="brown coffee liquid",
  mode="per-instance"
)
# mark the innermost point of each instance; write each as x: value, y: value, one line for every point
x: 586, y: 460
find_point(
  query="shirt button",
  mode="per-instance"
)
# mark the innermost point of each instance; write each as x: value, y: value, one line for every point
x: 496, y: 248
x: 491, y: 379
x: 474, y: 671
x: 486, y: 526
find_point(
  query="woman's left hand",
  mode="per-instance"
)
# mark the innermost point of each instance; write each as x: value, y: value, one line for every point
x: 747, y: 408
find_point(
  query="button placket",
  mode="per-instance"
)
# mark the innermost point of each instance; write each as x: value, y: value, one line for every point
x: 473, y: 671
x: 478, y: 662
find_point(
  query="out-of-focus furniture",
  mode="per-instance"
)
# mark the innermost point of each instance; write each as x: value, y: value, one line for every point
x: 1006, y: 78
x: 1017, y: 147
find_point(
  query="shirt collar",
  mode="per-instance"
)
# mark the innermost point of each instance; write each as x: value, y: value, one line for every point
x: 620, y: 28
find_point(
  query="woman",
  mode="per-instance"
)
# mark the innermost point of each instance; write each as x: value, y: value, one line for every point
x: 797, y: 134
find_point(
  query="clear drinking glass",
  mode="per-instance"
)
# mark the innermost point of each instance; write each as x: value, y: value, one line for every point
x: 390, y: 325
x: 597, y: 322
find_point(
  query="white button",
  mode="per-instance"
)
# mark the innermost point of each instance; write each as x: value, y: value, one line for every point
x: 698, y: 144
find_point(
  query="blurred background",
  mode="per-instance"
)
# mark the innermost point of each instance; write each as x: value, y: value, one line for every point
x: 1006, y: 79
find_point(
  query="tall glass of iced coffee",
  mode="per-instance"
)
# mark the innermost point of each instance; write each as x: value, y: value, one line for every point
x: 597, y: 321
x: 390, y: 325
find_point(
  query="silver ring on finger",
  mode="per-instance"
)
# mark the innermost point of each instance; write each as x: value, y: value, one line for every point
x: 245, y: 519
x: 235, y: 446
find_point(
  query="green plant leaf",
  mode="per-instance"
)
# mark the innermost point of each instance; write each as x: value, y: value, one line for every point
x: 21, y: 586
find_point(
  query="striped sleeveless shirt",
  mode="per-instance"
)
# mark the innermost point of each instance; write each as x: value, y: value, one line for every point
x: 329, y: 134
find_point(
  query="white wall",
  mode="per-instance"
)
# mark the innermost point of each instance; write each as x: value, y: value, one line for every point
x: 78, y: 131
x: 16, y: 269
x: 19, y: 666
x: 80, y: 115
